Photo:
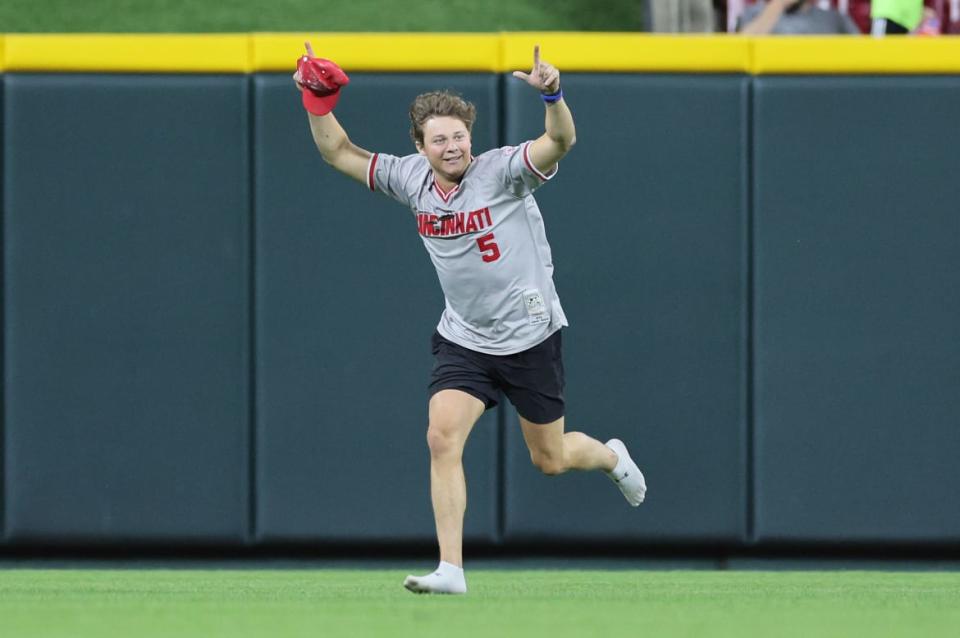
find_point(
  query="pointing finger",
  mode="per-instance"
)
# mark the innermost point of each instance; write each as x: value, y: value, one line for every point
x: 536, y: 56
x: 309, y: 49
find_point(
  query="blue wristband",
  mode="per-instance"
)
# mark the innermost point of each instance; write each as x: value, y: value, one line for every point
x: 553, y: 97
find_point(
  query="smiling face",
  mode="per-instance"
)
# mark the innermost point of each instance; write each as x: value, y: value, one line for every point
x: 446, y: 143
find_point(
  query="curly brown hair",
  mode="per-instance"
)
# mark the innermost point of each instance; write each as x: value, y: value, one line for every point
x: 439, y: 104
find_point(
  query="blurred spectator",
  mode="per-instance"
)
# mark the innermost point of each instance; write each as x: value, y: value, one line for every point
x: 952, y: 17
x: 681, y: 16
x: 930, y: 24
x: 793, y: 17
x: 895, y: 17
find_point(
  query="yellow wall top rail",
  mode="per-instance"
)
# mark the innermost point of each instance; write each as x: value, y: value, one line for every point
x: 479, y: 52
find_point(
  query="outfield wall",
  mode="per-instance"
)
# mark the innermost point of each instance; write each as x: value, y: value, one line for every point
x: 211, y: 339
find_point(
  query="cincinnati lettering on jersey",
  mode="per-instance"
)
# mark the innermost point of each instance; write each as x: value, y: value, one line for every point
x: 454, y: 224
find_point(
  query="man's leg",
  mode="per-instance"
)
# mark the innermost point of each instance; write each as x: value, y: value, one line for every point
x: 555, y: 452
x: 452, y: 416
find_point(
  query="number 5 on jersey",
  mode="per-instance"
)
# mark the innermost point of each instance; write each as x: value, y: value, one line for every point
x: 488, y: 248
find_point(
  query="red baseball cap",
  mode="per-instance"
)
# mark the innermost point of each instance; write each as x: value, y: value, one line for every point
x: 320, y: 82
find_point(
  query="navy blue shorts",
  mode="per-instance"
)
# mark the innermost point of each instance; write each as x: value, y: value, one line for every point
x: 532, y: 379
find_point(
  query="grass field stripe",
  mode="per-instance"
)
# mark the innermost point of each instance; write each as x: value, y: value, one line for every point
x: 382, y: 51
x: 174, y: 53
x: 559, y: 603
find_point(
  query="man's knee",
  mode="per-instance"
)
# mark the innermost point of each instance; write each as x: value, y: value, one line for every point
x: 444, y: 438
x: 549, y: 464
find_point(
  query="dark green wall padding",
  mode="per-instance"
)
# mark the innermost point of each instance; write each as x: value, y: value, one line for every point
x: 126, y: 260
x: 346, y: 302
x: 212, y: 338
x: 857, y: 310
x: 649, y: 249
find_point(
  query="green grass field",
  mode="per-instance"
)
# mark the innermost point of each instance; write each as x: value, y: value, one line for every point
x: 555, y: 603
x: 215, y: 16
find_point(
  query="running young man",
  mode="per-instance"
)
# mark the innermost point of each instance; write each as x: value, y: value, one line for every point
x: 500, y: 330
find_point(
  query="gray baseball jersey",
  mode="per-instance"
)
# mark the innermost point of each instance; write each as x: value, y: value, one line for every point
x: 486, y: 240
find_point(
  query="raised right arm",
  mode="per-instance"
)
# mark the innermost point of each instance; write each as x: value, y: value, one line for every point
x: 337, y: 149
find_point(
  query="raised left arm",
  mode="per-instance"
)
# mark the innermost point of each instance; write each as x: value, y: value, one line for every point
x: 560, y: 134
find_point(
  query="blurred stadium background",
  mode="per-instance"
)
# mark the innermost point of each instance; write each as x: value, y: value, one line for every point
x: 757, y: 241
x: 190, y: 16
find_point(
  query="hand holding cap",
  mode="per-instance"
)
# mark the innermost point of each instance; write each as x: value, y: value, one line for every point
x: 319, y: 81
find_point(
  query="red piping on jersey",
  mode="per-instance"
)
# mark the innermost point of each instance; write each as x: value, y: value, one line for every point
x: 373, y: 164
x: 444, y: 196
x: 533, y: 169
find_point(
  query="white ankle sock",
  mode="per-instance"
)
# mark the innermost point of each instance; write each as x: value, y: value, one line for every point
x: 449, y: 570
x: 446, y: 579
x: 627, y: 475
x: 618, y: 471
